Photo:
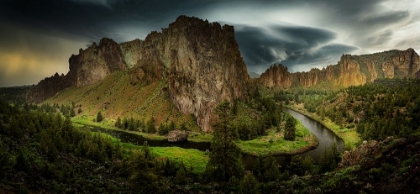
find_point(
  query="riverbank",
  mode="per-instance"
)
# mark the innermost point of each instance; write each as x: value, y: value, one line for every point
x: 107, y: 124
x: 275, y: 144
x: 348, y: 135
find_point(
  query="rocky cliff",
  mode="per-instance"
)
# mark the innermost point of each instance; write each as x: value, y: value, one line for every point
x: 88, y: 67
x: 199, y: 60
x: 350, y: 70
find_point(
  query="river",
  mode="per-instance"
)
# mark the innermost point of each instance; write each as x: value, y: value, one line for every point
x: 325, y: 137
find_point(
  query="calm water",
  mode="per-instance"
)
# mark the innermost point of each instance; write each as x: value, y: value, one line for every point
x: 325, y: 137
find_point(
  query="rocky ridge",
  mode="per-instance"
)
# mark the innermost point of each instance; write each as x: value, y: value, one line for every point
x: 350, y: 70
x: 200, y: 61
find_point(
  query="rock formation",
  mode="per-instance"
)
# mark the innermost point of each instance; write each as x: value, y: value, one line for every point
x: 88, y: 67
x: 177, y: 136
x: 199, y: 60
x: 350, y: 70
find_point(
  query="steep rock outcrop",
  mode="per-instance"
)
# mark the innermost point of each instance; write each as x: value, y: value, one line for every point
x: 350, y: 70
x: 88, y: 67
x: 200, y: 60
x: 95, y: 63
x: 206, y: 67
x: 47, y: 87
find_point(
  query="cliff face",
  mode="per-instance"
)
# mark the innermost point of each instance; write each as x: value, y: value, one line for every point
x: 95, y: 63
x: 350, y: 70
x: 200, y: 61
x: 47, y: 87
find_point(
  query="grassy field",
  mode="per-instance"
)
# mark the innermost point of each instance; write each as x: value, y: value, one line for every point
x: 275, y: 143
x: 190, y: 157
x: 349, y: 135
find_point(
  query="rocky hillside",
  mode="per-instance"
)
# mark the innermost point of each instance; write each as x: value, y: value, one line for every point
x: 90, y: 66
x: 350, y: 70
x: 199, y: 60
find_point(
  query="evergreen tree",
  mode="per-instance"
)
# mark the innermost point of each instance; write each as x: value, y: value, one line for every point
x: 150, y: 128
x: 99, y: 117
x: 118, y: 124
x: 181, y: 175
x: 171, y: 126
x: 72, y: 113
x: 290, y: 130
x: 163, y: 129
x: 183, y: 127
x: 225, y: 157
x: 249, y: 184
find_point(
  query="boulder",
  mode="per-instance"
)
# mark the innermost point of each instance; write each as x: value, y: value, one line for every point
x: 177, y: 136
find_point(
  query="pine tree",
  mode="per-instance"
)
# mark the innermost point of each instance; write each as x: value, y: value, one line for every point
x: 225, y: 157
x: 249, y: 184
x: 72, y: 113
x: 290, y: 130
x: 99, y: 117
x: 171, y: 126
x: 118, y: 123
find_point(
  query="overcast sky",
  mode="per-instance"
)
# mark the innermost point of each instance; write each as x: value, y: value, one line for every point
x: 38, y: 37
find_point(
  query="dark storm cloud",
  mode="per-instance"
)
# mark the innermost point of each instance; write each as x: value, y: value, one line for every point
x: 289, y: 45
x: 305, y: 35
x: 294, y: 32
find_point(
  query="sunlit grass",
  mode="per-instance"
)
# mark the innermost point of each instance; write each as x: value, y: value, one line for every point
x: 189, y: 157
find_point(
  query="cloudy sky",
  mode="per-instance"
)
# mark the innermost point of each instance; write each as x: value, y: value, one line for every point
x: 38, y: 37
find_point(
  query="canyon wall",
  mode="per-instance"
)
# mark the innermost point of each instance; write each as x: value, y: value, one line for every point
x: 350, y: 70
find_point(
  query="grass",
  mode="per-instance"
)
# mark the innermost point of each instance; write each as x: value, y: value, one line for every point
x: 192, y: 158
x: 275, y: 143
x: 200, y: 137
x: 349, y: 135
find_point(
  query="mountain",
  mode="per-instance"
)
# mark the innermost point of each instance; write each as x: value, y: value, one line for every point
x: 199, y: 61
x: 350, y: 70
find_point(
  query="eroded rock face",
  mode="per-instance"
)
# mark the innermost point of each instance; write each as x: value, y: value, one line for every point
x: 95, y: 63
x: 47, y: 87
x: 205, y: 67
x: 350, y: 70
x: 177, y: 136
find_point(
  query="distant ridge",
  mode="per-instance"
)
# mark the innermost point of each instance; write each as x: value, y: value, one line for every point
x: 350, y: 70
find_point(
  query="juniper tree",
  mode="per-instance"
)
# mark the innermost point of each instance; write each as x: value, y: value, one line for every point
x: 290, y: 130
x: 225, y: 157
